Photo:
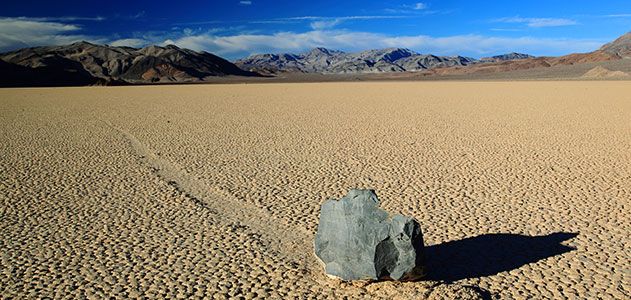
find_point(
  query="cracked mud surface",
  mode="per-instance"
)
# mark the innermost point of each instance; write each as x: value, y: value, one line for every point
x: 522, y: 189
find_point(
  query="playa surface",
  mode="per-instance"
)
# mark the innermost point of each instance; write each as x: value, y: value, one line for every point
x: 523, y: 189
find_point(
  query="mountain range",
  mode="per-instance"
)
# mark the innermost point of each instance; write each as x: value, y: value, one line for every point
x: 85, y: 63
x: 505, y: 57
x: 619, y: 49
x: 322, y: 60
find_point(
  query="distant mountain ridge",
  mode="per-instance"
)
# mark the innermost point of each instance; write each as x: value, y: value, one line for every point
x: 616, y: 50
x: 85, y: 63
x: 505, y: 57
x: 322, y: 60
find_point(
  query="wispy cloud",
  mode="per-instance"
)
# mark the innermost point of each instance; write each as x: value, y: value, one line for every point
x: 419, y: 6
x: 139, y: 15
x: 60, y: 19
x: 28, y: 32
x: 199, y: 22
x: 321, y: 22
x: 273, y: 21
x: 507, y: 29
x: 618, y: 16
x: 131, y: 42
x: 538, y: 22
x: 344, y: 18
x: 245, y: 2
x: 133, y: 16
x: 325, y: 24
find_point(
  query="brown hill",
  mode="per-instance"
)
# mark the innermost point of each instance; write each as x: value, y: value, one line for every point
x: 618, y: 49
x: 600, y: 72
x: 84, y: 63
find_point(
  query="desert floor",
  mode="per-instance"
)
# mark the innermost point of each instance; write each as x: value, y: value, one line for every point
x: 523, y: 189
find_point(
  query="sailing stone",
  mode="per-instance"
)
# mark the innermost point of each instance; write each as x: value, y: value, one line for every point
x: 357, y: 240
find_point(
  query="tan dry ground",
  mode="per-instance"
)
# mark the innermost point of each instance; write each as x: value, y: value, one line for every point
x: 168, y: 191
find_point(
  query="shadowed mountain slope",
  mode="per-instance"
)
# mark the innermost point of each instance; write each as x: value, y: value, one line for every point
x: 84, y: 63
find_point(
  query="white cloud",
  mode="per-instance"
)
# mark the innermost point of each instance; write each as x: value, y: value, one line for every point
x: 538, y: 22
x: 245, y: 2
x: 507, y: 29
x: 343, y: 18
x: 320, y: 22
x: 419, y: 6
x: 188, y: 31
x: 131, y: 42
x: 325, y: 24
x: 619, y: 16
x: 139, y: 15
x: 236, y: 46
x: 61, y: 19
x: 28, y: 32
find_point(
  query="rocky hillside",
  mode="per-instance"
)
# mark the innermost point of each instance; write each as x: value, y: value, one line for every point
x: 616, y: 50
x: 321, y: 60
x: 84, y: 63
x: 505, y: 57
x: 621, y: 47
x: 600, y: 72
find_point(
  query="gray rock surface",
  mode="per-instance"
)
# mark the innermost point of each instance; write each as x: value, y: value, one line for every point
x: 358, y: 240
x: 321, y: 60
x: 505, y: 57
x: 620, y: 47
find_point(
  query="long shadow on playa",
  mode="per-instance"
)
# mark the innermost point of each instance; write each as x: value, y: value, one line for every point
x: 489, y: 254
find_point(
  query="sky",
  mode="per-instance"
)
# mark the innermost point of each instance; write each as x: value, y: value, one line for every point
x: 235, y: 29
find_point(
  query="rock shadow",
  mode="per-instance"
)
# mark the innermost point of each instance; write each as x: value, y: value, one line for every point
x: 489, y: 254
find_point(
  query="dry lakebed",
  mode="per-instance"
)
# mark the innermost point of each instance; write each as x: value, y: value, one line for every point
x: 522, y: 189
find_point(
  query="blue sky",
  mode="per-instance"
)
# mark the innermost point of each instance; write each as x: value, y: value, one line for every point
x: 235, y: 29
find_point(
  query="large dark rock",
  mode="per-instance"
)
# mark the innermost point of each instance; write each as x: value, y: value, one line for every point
x: 358, y: 240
